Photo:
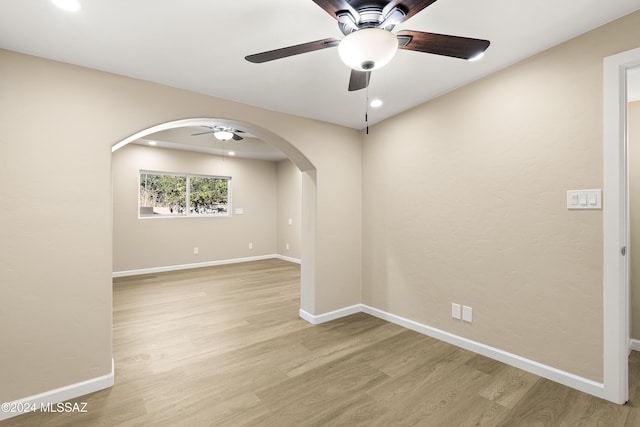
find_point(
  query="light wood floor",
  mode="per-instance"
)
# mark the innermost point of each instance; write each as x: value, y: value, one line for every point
x: 224, y: 346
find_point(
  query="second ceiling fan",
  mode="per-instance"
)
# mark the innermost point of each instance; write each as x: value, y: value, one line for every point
x: 369, y: 43
x: 222, y: 133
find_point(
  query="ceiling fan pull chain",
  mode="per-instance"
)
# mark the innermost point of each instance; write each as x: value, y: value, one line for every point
x: 366, y: 110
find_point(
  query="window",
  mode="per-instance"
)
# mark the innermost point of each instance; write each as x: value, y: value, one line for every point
x: 165, y: 194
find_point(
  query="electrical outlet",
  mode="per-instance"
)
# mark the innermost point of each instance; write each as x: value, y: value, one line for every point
x: 250, y: 245
x: 195, y: 251
x: 467, y: 314
x: 286, y: 246
x: 455, y: 310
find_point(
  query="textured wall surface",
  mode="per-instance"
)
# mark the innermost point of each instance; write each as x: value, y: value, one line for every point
x: 159, y: 242
x: 464, y: 200
x: 289, y: 208
x: 57, y: 125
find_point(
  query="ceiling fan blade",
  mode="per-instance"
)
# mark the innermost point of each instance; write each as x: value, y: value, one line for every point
x: 237, y: 137
x: 441, y: 44
x: 202, y: 133
x: 359, y: 80
x: 284, y: 52
x: 332, y: 7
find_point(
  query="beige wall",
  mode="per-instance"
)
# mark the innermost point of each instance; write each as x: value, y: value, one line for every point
x: 57, y: 126
x: 633, y: 120
x: 464, y: 200
x: 262, y: 189
x: 467, y: 206
x: 289, y: 208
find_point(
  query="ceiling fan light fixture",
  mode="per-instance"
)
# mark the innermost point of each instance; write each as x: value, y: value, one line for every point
x: 368, y: 49
x: 223, y: 135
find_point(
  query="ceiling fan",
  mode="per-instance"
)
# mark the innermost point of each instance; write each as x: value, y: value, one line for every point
x: 369, y: 43
x: 222, y: 133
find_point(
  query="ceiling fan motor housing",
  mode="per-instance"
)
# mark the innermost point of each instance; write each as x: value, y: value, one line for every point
x: 369, y: 17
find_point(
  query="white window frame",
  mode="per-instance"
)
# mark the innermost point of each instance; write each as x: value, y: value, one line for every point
x: 188, y: 177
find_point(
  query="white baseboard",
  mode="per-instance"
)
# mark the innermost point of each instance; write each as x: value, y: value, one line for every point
x: 634, y: 345
x: 287, y: 258
x: 332, y: 315
x: 570, y: 380
x: 165, y: 269
x: 61, y: 394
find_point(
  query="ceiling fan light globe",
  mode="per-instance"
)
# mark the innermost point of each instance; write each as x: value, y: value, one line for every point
x: 223, y: 135
x: 368, y: 49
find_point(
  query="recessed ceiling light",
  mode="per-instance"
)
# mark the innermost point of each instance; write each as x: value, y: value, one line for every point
x: 376, y: 103
x: 70, y: 5
x: 153, y: 143
x: 231, y: 153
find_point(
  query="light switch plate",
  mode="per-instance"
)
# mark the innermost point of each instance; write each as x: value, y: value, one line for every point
x: 467, y: 314
x: 584, y: 199
x: 455, y: 310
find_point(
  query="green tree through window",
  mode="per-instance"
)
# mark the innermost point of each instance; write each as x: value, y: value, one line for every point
x: 208, y: 195
x: 163, y: 194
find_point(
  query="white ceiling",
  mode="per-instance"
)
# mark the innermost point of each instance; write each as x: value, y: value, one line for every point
x: 183, y: 138
x: 200, y: 46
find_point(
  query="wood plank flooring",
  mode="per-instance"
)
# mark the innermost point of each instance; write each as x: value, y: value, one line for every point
x: 224, y: 346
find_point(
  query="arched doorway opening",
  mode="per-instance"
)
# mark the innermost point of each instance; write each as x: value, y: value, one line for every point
x: 308, y: 185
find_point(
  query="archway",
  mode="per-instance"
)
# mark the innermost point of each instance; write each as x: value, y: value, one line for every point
x: 308, y: 231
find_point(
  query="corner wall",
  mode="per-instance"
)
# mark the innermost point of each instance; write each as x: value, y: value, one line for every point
x: 289, y: 210
x: 469, y: 206
x: 57, y: 125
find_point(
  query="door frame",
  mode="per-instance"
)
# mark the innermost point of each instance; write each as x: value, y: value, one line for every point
x: 616, y: 331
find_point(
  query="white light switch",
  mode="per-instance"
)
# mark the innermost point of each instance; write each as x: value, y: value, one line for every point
x: 455, y: 310
x: 584, y: 199
x: 467, y: 314
x: 239, y: 211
